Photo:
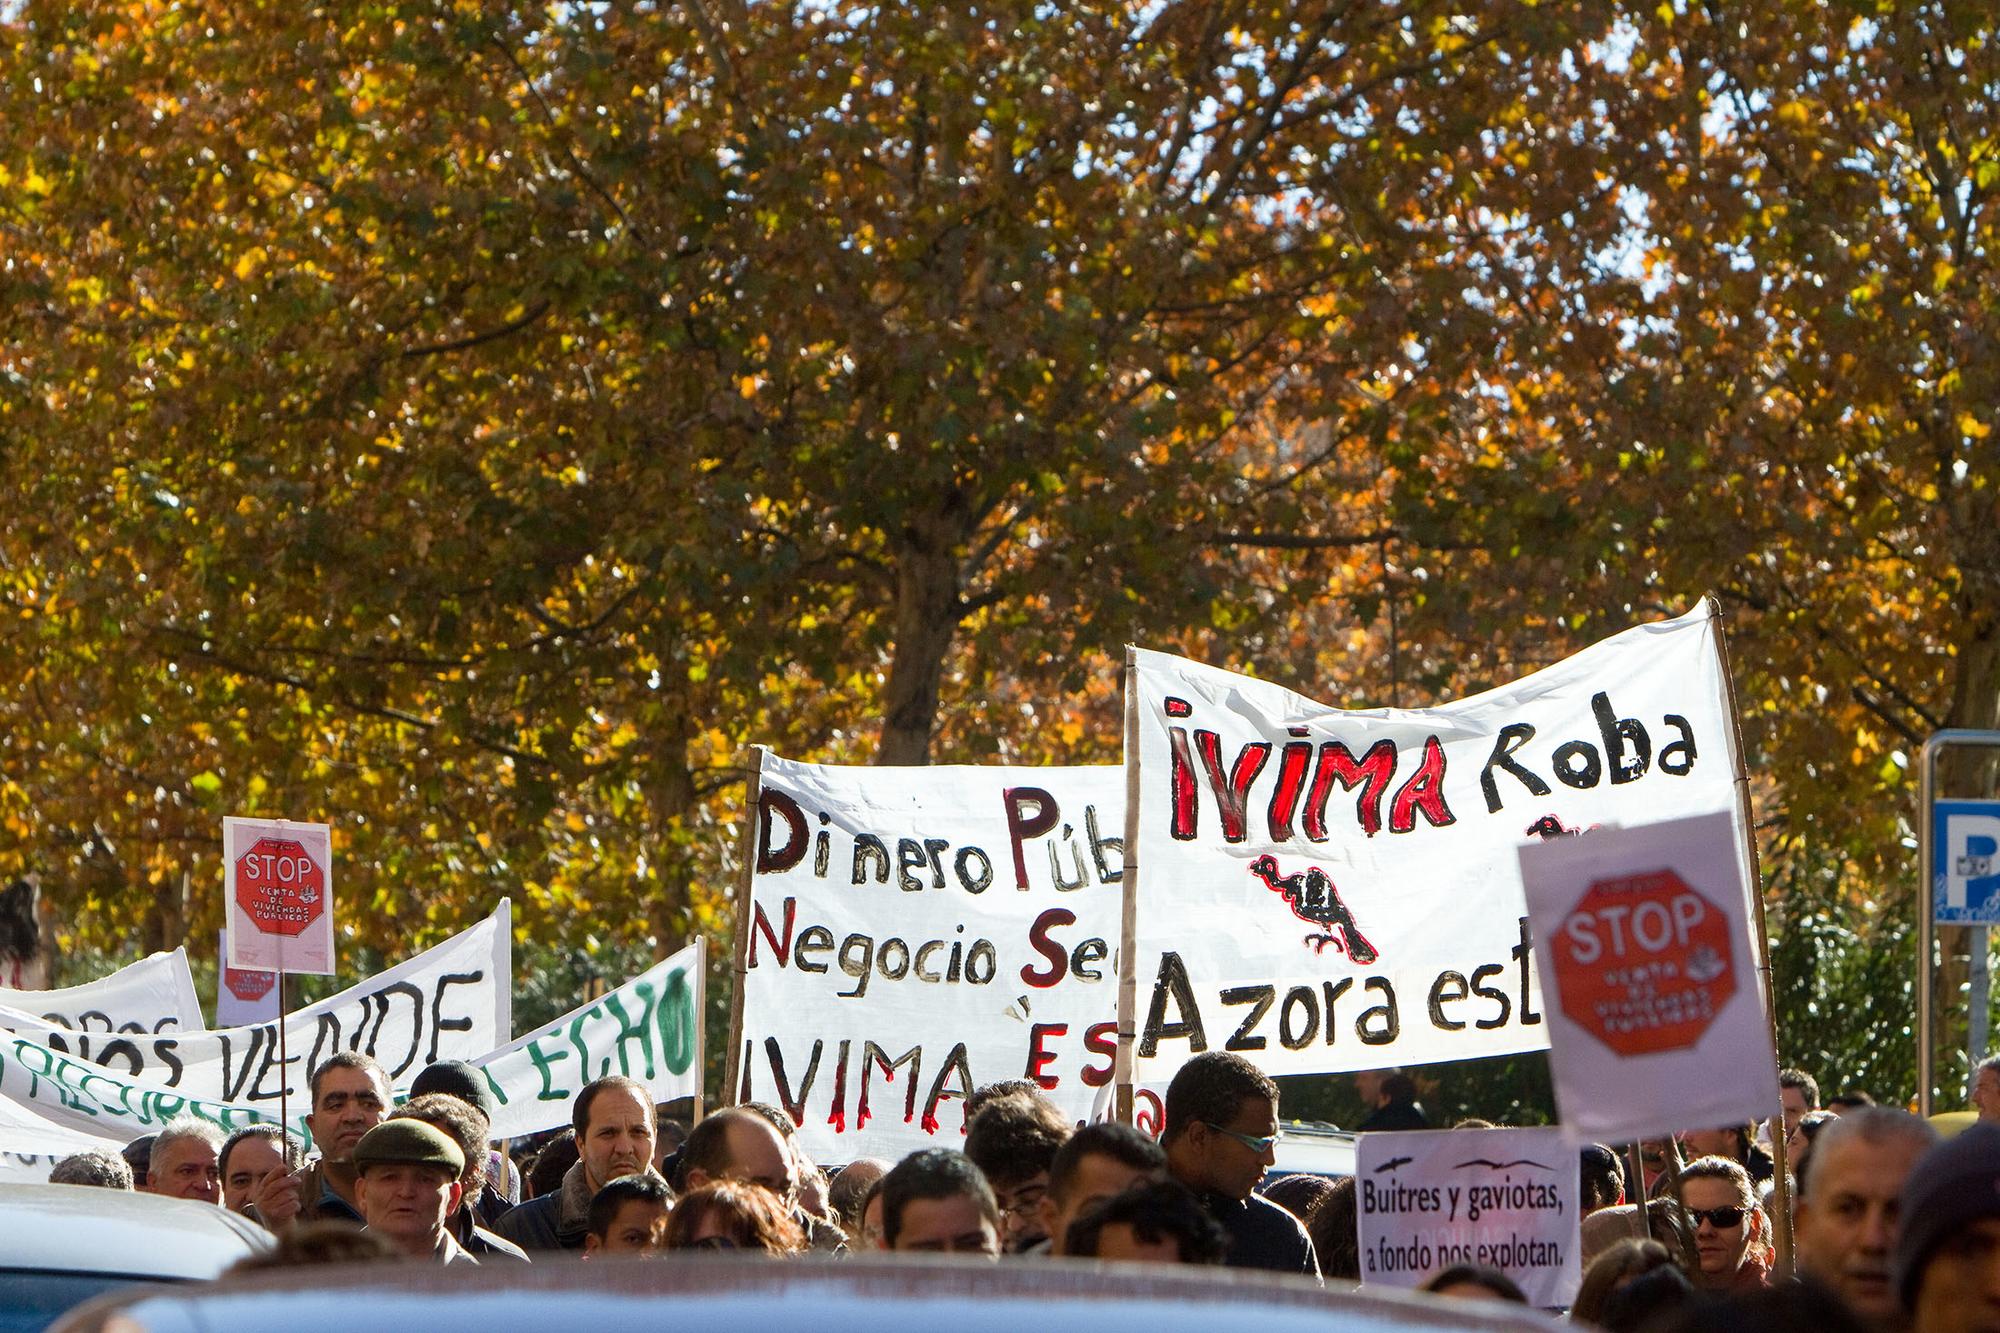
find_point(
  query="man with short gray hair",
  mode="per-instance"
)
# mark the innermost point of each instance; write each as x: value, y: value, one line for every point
x: 93, y: 1166
x: 1845, y: 1221
x: 185, y: 1160
x: 1986, y: 1089
x: 259, y: 1165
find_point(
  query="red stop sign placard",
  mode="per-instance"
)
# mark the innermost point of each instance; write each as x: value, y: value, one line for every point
x: 247, y: 984
x: 1644, y: 963
x: 280, y: 886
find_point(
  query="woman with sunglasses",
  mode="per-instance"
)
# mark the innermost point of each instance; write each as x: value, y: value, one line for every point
x: 729, y: 1215
x: 1731, y: 1237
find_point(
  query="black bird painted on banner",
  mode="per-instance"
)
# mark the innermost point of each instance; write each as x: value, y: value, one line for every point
x: 1393, y: 1163
x: 1314, y: 899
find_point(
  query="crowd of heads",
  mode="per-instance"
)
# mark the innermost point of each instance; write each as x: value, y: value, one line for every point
x: 1893, y: 1228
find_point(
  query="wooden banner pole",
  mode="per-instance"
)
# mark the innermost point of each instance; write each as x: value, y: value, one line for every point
x: 733, y: 1057
x: 700, y: 1028
x: 1128, y: 962
x: 1781, y: 1186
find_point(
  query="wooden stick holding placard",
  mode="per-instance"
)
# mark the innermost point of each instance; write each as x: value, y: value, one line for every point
x: 1128, y: 929
x: 733, y: 1057
x: 1781, y: 1191
x: 700, y: 1028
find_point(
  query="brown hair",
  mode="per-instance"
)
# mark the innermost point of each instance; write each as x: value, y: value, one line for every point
x: 755, y: 1217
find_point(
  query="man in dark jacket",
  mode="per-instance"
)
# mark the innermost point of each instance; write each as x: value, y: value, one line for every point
x: 1221, y: 1135
x: 350, y: 1096
x: 1391, y: 1098
x: 613, y: 1118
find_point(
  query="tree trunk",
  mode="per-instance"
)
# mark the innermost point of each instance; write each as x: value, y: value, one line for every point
x: 927, y: 617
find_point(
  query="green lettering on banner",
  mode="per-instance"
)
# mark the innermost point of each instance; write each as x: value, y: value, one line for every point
x: 499, y: 1093
x: 628, y: 1030
x: 576, y: 1040
x: 677, y: 1019
x: 545, y: 1062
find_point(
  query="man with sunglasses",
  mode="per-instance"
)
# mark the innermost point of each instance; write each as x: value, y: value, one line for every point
x: 1221, y: 1136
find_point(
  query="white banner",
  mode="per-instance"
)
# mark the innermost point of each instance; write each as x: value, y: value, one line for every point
x: 155, y: 994
x: 243, y: 996
x: 30, y: 1168
x: 915, y: 933
x: 1324, y: 890
x: 1494, y: 1198
x: 450, y: 1002
x: 48, y: 1098
x: 1644, y: 938
x: 648, y: 1029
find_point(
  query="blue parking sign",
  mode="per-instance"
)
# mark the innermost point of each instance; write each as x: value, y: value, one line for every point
x: 1965, y: 856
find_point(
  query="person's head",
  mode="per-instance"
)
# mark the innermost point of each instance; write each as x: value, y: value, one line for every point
x: 468, y: 1128
x: 1798, y: 1148
x: 1946, y: 1264
x: 1650, y: 1296
x: 987, y: 1093
x: 1617, y: 1265
x: 138, y: 1155
x: 738, y: 1144
x: 613, y: 1120
x: 1013, y: 1141
x: 1368, y: 1085
x: 1718, y: 1198
x: 871, y: 1218
x: 1155, y: 1221
x: 936, y: 1201
x: 1602, y: 1179
x: 1472, y: 1282
x: 1731, y: 1141
x: 350, y: 1096
x: 406, y: 1183
x: 93, y: 1166
x: 1221, y: 1126
x: 251, y: 1156
x: 1986, y: 1089
x: 1798, y: 1092
x: 1333, y: 1232
x: 456, y: 1078
x: 733, y: 1215
x: 1852, y: 1100
x: 183, y: 1164
x: 1299, y: 1194
x: 551, y: 1164
x: 1844, y: 1219
x: 1096, y: 1162
x: 628, y: 1216
x: 847, y: 1193
x: 310, y: 1243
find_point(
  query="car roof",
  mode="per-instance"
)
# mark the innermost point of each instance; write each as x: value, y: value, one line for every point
x: 90, y: 1229
x: 853, y: 1295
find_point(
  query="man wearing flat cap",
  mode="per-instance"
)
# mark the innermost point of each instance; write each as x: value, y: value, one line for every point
x: 407, y: 1186
x: 1947, y: 1262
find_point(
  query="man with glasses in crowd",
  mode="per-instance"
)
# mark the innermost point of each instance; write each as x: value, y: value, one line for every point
x: 1221, y: 1136
x: 1013, y: 1141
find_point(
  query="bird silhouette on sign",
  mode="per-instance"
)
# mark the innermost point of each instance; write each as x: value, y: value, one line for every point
x: 1393, y: 1163
x: 1314, y: 899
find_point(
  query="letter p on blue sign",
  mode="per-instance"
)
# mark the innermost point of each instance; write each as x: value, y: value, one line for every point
x: 1966, y: 839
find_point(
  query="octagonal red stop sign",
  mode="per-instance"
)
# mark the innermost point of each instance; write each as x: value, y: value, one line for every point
x: 1644, y: 963
x: 280, y: 886
x: 248, y: 985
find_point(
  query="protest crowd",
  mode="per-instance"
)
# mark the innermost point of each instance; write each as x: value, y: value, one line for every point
x: 1894, y: 1227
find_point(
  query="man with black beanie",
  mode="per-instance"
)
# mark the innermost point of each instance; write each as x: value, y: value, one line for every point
x: 1947, y: 1261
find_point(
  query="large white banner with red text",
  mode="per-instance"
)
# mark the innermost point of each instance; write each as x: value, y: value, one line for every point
x: 916, y: 933
x: 1326, y: 890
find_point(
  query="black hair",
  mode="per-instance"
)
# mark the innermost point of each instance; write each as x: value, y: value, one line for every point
x: 1333, y: 1232
x: 551, y: 1164
x: 1492, y: 1279
x: 1602, y: 1178
x: 289, y: 1148
x: 579, y: 1111
x: 933, y: 1173
x: 1156, y: 1210
x: 1121, y: 1143
x: 360, y: 1060
x: 1012, y: 1140
x: 1804, y: 1082
x: 1213, y: 1087
x: 604, y: 1204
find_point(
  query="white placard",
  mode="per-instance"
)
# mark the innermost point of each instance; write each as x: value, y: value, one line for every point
x: 1657, y: 1020
x: 1495, y: 1198
x: 277, y: 883
x: 155, y: 994
x: 916, y: 933
x: 648, y: 1029
x: 451, y: 1002
x: 243, y: 996
x: 1324, y: 890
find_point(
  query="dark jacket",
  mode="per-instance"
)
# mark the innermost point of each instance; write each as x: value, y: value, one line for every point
x: 1395, y: 1116
x: 556, y: 1221
x: 1262, y: 1235
x: 480, y: 1243
x: 318, y: 1202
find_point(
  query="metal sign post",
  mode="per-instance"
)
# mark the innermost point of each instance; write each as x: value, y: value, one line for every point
x: 1961, y: 885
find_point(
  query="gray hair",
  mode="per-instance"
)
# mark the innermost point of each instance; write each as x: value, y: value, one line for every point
x: 93, y: 1166
x: 1871, y: 1124
x: 288, y: 1146
x: 187, y: 1127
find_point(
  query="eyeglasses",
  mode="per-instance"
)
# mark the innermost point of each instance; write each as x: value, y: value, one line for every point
x: 1254, y: 1143
x: 1720, y: 1218
x: 714, y: 1243
x: 1024, y: 1204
